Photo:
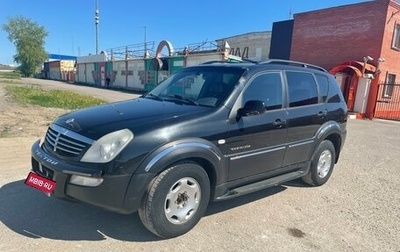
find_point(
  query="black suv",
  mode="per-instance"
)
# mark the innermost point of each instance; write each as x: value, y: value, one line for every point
x: 209, y: 132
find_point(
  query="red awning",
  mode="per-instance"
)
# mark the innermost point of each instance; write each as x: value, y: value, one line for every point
x: 356, y: 66
x: 338, y: 69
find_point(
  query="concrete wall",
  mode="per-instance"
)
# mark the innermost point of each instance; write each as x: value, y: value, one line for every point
x: 89, y: 73
x: 197, y: 59
x: 119, y: 68
x: 54, y: 73
x: 128, y: 74
x: 140, y: 74
x: 135, y: 70
x: 92, y: 58
x: 133, y: 74
x: 253, y: 45
x: 81, y: 76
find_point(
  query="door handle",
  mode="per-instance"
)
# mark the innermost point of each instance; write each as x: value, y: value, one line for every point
x: 279, y: 123
x: 322, y: 114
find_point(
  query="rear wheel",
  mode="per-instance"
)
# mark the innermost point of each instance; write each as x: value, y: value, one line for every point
x: 175, y: 200
x: 321, y: 164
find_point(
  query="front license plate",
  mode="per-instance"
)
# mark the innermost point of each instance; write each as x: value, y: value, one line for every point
x: 43, y: 184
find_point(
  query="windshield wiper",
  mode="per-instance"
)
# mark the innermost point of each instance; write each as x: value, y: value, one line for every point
x: 183, y: 99
x: 153, y: 96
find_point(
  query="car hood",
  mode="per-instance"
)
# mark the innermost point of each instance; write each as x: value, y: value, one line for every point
x: 138, y: 115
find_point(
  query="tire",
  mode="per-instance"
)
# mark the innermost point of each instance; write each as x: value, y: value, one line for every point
x: 321, y: 164
x: 175, y: 200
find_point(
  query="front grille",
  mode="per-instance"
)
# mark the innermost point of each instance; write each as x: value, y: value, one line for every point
x: 42, y: 170
x: 57, y: 140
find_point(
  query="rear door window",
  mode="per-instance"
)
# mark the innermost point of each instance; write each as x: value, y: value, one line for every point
x: 302, y: 89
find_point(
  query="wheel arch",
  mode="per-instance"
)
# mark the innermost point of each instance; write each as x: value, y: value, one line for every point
x: 331, y: 131
x: 196, y: 150
x: 337, y: 143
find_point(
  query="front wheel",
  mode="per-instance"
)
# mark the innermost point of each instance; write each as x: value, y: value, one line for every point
x: 321, y: 164
x: 175, y: 200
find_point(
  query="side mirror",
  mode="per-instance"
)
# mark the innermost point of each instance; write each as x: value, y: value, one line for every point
x: 252, y: 107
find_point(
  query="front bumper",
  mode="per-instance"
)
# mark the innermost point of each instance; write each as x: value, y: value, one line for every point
x: 118, y: 193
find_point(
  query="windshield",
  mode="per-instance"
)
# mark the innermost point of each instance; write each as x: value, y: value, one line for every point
x: 204, y: 86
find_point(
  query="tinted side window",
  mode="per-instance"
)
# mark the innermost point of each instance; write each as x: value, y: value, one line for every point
x: 323, y: 84
x: 335, y: 95
x: 302, y: 89
x: 267, y: 88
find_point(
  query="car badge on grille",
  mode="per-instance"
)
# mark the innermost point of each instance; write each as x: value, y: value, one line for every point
x: 74, y: 125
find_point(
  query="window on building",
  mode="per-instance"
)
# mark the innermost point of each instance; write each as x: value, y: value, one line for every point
x: 302, y: 89
x: 396, y: 37
x: 388, y: 89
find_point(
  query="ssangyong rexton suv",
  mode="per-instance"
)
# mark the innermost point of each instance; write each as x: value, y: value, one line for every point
x: 209, y: 132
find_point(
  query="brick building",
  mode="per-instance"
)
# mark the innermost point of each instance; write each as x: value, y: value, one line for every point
x: 360, y: 44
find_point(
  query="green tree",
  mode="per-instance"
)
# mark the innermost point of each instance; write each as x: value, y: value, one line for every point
x: 28, y: 38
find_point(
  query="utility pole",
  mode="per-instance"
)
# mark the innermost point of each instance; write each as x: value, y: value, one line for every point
x: 96, y: 21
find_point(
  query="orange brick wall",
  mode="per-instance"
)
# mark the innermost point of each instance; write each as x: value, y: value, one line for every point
x: 335, y: 35
x: 392, y: 56
x: 332, y: 36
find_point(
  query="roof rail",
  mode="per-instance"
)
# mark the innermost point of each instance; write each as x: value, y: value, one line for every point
x: 214, y: 61
x: 221, y: 61
x: 249, y: 61
x: 293, y: 63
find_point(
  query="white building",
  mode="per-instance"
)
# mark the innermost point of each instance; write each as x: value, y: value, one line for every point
x: 253, y: 45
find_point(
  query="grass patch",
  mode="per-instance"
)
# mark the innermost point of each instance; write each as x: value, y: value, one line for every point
x: 10, y: 75
x: 13, y: 81
x: 52, y: 98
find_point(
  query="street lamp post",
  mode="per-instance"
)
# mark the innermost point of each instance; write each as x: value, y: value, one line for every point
x: 96, y: 21
x: 366, y: 59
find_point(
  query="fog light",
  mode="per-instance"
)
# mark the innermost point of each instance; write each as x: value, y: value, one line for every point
x: 85, y: 181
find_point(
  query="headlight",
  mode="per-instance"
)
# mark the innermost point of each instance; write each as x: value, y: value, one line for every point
x: 108, y: 147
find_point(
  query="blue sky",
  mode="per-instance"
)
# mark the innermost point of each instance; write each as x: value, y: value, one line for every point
x: 70, y: 23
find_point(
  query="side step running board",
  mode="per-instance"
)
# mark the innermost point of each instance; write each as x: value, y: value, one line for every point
x: 262, y: 184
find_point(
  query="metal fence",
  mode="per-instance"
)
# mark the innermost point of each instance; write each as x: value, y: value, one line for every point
x: 388, y: 102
